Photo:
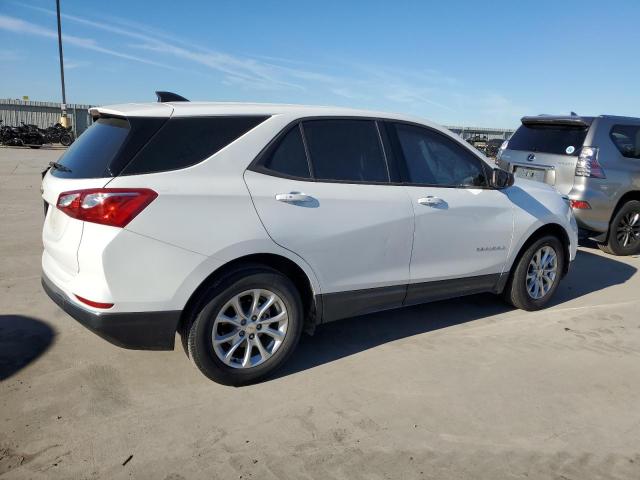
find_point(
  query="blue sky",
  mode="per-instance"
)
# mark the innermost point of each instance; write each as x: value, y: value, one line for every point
x: 455, y: 62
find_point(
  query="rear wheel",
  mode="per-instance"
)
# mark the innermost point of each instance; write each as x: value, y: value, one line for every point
x: 535, y: 278
x: 624, y: 231
x: 66, y: 139
x: 246, y: 327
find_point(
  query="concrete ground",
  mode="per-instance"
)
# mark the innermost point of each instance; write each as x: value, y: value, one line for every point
x: 463, y: 389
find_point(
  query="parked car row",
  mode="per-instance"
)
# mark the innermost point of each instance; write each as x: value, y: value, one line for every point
x: 595, y: 162
x: 241, y: 225
x: 29, y: 135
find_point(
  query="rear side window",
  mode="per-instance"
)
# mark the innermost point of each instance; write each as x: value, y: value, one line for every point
x: 289, y: 157
x: 92, y: 153
x: 185, y: 141
x: 558, y: 139
x: 627, y: 139
x: 345, y: 150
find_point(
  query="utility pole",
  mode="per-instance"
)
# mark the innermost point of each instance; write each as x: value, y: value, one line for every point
x: 63, y: 118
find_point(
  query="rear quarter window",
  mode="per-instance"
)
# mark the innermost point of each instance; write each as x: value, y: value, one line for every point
x: 185, y: 141
x: 626, y: 138
x: 561, y: 140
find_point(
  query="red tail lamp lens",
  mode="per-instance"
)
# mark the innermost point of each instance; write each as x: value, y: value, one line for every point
x: 115, y: 207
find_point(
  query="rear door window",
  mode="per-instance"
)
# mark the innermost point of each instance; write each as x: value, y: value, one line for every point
x: 346, y: 150
x: 626, y: 138
x: 557, y: 139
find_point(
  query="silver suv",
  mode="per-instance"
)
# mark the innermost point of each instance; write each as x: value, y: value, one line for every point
x: 595, y: 162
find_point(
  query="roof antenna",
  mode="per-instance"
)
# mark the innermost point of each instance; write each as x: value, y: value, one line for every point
x: 170, y: 97
x: 574, y: 114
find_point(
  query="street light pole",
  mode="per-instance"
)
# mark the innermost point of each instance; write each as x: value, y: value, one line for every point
x: 63, y: 118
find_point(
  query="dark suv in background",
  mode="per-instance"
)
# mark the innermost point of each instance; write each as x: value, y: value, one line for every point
x: 595, y: 162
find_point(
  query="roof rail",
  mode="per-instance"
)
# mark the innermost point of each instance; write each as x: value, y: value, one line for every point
x: 170, y: 97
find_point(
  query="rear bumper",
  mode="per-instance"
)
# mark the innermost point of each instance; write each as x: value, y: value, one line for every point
x: 136, y: 330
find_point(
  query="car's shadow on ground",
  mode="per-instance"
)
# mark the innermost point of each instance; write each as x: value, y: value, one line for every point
x: 22, y: 340
x: 590, y: 273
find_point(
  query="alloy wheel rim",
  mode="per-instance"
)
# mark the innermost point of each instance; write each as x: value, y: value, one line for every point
x: 542, y: 272
x: 250, y: 328
x: 628, y: 231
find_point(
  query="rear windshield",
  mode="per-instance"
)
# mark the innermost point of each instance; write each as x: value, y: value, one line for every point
x: 558, y: 139
x: 117, y: 146
x: 91, y: 154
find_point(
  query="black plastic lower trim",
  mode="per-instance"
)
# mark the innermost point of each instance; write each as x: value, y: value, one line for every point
x: 444, y: 289
x: 359, y: 302
x: 136, y: 330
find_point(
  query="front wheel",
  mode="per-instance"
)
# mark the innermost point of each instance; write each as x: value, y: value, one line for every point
x: 535, y: 278
x: 246, y: 327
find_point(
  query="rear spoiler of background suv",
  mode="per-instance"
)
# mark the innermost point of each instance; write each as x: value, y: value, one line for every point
x: 572, y: 121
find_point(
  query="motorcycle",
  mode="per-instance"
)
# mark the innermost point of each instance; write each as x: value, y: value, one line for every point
x: 10, y: 135
x: 31, y: 135
x: 59, y: 134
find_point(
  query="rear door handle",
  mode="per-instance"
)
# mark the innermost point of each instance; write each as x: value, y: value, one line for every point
x: 293, y: 197
x: 430, y: 201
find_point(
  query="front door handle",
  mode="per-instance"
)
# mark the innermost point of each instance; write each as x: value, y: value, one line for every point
x: 294, y: 197
x: 430, y: 201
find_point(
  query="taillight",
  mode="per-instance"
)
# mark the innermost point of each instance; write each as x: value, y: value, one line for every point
x: 588, y: 165
x: 115, y: 207
x: 580, y: 204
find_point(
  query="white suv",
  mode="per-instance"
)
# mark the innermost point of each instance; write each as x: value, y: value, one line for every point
x: 239, y: 226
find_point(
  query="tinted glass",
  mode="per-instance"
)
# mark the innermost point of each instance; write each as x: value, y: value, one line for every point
x: 91, y: 154
x: 430, y: 158
x: 548, y: 139
x: 183, y: 142
x: 289, y: 157
x: 347, y: 150
x: 627, y: 139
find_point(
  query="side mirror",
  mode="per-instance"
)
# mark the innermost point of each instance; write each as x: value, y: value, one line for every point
x: 501, y: 179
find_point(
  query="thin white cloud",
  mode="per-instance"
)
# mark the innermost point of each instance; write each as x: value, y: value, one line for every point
x: 16, y: 25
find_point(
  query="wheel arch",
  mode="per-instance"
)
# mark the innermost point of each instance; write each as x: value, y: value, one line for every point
x: 554, y: 229
x: 310, y: 301
x: 627, y: 196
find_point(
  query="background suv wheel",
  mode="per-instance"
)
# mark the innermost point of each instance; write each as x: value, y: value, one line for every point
x: 246, y: 326
x: 536, y: 275
x: 624, y: 231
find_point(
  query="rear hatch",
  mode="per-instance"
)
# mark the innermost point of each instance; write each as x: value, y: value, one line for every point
x: 546, y: 149
x: 98, y: 155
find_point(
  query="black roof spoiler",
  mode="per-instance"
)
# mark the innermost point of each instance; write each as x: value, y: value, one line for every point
x: 170, y: 97
x: 571, y: 121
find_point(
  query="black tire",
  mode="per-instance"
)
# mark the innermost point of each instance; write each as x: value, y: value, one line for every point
x: 199, y: 338
x: 614, y: 245
x: 66, y: 139
x: 516, y: 292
